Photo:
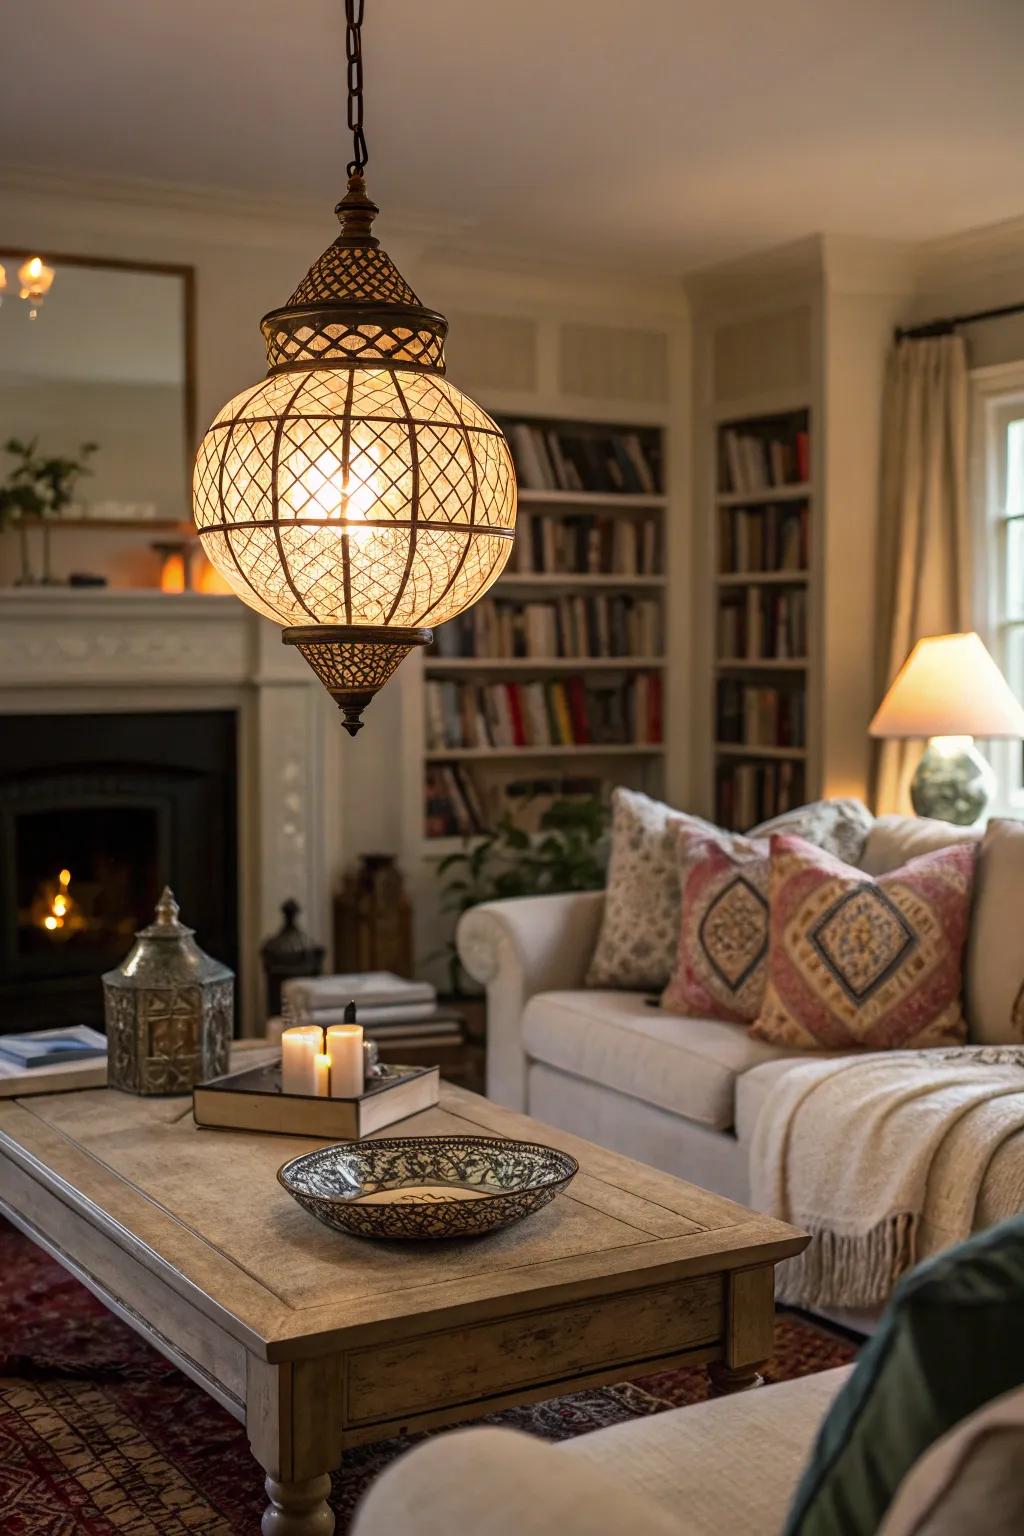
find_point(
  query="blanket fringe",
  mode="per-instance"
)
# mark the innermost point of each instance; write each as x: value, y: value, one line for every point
x: 861, y: 1268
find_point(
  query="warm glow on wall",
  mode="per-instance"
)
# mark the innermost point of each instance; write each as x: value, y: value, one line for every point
x: 355, y: 496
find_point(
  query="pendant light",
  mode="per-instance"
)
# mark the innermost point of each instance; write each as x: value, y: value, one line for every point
x: 355, y: 496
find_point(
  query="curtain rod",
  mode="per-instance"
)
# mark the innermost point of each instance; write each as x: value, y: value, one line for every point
x: 947, y: 327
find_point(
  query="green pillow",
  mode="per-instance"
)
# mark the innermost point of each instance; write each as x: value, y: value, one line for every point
x: 951, y: 1339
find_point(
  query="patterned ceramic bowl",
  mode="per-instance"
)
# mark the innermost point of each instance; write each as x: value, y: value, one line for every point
x: 427, y: 1186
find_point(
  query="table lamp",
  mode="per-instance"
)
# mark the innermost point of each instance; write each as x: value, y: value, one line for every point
x: 949, y: 690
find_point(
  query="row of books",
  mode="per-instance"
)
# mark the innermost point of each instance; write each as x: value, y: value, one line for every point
x: 593, y: 626
x: 572, y: 711
x: 566, y: 458
x: 748, y: 793
x: 763, y: 624
x: 764, y: 458
x: 457, y: 804
x: 586, y: 545
x: 772, y: 538
x: 751, y: 715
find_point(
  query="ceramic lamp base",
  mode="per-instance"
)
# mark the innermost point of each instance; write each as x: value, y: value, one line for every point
x: 953, y: 781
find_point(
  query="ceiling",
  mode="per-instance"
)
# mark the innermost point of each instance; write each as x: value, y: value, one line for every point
x: 673, y: 132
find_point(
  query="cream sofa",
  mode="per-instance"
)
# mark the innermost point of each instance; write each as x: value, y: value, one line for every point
x: 685, y: 1094
x: 727, y: 1467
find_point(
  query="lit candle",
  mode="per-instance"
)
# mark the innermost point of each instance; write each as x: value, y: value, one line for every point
x: 322, y: 1073
x: 345, y: 1048
x: 300, y: 1046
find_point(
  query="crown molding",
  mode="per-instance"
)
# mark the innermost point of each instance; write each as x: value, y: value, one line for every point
x: 988, y: 251
x: 101, y: 206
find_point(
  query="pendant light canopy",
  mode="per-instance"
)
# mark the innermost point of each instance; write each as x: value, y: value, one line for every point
x: 354, y: 495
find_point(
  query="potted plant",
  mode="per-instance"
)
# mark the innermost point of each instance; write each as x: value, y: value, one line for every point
x: 568, y: 852
x: 38, y: 488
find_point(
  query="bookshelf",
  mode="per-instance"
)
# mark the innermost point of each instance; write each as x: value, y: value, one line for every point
x: 763, y: 538
x: 553, y: 684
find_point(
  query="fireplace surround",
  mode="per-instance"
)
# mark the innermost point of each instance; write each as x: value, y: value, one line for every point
x: 250, y: 741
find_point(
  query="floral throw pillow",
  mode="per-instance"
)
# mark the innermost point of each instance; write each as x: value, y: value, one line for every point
x: 855, y: 961
x: 640, y: 927
x: 723, y: 935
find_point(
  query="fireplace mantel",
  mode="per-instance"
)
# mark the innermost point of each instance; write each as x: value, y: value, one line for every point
x: 92, y: 651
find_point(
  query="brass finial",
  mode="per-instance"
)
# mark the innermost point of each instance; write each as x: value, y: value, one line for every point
x: 357, y: 213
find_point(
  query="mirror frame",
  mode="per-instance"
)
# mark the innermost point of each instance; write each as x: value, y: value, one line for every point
x: 187, y: 274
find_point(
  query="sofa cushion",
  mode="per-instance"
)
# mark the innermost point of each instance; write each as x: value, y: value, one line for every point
x: 952, y: 1339
x: 753, y: 1088
x: 994, y: 968
x: 617, y: 1040
x: 724, y: 1466
x: 974, y: 1467
x: 856, y: 962
x: 895, y: 839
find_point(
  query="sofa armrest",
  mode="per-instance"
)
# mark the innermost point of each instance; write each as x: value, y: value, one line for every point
x: 531, y: 944
x: 499, y: 1482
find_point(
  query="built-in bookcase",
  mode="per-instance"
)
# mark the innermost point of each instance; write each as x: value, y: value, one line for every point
x: 553, y: 684
x: 764, y: 534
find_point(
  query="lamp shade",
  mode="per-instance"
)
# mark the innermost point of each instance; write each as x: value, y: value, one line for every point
x: 949, y: 686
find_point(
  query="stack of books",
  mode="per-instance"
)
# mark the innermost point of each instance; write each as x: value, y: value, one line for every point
x: 392, y: 1010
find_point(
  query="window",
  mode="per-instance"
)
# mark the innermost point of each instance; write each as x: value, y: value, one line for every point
x: 998, y: 505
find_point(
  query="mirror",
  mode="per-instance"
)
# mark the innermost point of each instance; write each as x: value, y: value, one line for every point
x: 106, y: 360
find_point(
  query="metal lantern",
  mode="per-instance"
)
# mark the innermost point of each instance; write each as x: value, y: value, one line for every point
x: 289, y: 952
x: 169, y: 1010
x: 355, y: 496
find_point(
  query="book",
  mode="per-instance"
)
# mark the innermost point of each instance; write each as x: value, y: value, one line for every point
x: 52, y: 1047
x: 252, y: 1100
x: 18, y: 1081
x: 364, y: 988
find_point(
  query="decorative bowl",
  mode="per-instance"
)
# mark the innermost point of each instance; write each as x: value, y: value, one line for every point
x: 427, y: 1186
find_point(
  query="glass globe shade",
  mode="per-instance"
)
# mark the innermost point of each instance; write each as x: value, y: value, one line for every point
x: 362, y: 496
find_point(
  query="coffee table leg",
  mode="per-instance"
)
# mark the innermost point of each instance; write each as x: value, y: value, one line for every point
x: 749, y: 1330
x: 725, y: 1379
x: 293, y: 1420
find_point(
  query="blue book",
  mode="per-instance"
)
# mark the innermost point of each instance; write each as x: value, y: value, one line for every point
x: 50, y: 1047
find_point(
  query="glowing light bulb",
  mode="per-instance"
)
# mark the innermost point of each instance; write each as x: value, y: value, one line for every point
x: 64, y: 878
x: 36, y: 280
x: 50, y: 922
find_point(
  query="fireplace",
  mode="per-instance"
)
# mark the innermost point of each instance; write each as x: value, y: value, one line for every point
x: 97, y: 813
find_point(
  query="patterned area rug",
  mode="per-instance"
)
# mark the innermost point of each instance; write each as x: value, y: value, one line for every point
x: 100, y: 1436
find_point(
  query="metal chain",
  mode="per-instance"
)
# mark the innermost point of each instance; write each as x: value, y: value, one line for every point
x: 354, y: 55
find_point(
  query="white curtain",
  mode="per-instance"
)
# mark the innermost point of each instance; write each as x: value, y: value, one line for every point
x: 923, y: 578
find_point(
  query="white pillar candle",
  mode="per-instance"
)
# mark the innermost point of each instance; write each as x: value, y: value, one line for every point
x: 322, y: 1070
x: 300, y: 1046
x: 345, y: 1048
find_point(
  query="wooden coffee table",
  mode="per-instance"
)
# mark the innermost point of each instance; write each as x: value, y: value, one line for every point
x: 318, y: 1341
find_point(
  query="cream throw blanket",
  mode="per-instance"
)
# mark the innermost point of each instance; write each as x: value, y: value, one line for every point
x: 882, y: 1158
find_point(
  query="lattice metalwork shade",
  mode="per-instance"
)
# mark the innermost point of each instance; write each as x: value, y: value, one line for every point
x: 355, y: 495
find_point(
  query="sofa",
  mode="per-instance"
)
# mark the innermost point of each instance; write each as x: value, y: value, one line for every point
x: 727, y: 1467
x: 685, y: 1094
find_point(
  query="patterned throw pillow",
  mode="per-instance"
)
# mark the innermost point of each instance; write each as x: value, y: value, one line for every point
x: 860, y: 962
x: 723, y: 937
x: 640, y: 926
